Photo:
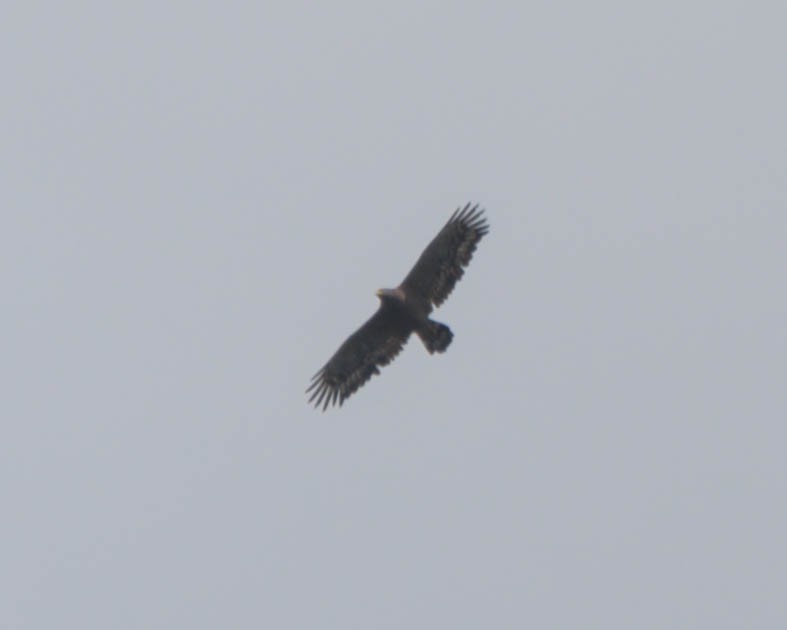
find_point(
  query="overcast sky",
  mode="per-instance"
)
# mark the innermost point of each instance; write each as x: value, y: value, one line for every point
x: 198, y: 202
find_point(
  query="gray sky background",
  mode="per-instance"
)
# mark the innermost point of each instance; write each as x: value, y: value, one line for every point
x: 198, y: 203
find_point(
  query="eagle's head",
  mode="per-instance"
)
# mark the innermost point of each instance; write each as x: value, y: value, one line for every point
x: 391, y: 294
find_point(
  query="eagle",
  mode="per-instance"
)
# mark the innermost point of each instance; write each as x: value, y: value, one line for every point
x: 403, y: 310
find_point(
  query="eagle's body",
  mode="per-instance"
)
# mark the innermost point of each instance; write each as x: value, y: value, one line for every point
x: 404, y: 310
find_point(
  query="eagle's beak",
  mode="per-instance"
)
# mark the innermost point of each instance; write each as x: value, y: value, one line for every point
x: 379, y: 293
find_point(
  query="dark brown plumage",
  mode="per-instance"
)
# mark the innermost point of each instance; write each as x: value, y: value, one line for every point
x: 404, y: 310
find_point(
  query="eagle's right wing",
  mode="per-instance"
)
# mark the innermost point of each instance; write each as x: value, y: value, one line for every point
x: 372, y: 346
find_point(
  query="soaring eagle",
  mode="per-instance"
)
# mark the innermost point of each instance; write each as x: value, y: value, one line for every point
x: 404, y: 310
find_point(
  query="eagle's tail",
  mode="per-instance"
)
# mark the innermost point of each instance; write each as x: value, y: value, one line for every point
x: 436, y: 336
